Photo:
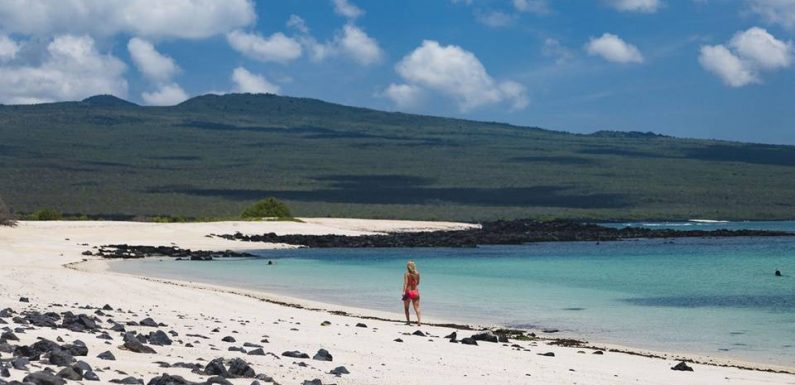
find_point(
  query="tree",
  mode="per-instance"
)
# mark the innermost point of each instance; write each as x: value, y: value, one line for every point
x: 267, y: 208
x: 6, y: 216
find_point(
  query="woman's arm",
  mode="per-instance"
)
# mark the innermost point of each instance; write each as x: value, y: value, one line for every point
x: 418, y: 279
x: 405, y: 282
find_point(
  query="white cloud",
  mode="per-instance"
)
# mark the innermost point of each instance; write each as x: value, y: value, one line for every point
x: 761, y: 48
x: 781, y: 12
x: 275, y: 48
x: 8, y: 48
x: 749, y: 53
x: 454, y: 72
x: 359, y: 46
x: 347, y: 9
x: 613, y: 48
x: 191, y: 19
x: 152, y: 64
x: 248, y: 82
x: 642, y: 6
x: 350, y: 41
x: 534, y: 6
x: 167, y: 95
x: 404, y: 95
x: 720, y: 61
x: 71, y: 69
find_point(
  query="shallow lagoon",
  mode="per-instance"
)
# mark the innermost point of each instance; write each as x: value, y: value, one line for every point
x: 713, y: 296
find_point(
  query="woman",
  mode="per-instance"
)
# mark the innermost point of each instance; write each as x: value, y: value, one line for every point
x: 410, y: 292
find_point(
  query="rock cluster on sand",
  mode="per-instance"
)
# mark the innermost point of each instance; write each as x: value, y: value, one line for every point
x: 124, y: 251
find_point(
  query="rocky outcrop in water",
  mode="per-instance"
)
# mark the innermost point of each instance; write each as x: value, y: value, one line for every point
x: 495, y: 233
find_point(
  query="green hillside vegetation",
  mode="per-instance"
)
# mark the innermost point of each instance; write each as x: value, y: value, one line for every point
x: 213, y: 156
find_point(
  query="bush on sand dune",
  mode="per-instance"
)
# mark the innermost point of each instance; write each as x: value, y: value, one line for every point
x: 267, y: 208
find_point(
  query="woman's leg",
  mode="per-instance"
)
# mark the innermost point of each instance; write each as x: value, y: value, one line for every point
x: 416, y: 304
x: 406, y: 309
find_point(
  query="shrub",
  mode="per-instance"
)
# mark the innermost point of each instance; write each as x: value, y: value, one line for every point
x: 267, y: 208
x: 6, y: 216
x: 46, y: 215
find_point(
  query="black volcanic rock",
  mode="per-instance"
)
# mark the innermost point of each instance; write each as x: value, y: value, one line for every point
x: 133, y: 344
x: 148, y: 322
x: 240, y: 369
x: 340, y: 370
x: 159, y: 338
x: 167, y: 379
x: 494, y: 233
x: 70, y: 374
x: 43, y: 378
x: 323, y: 355
x: 216, y: 367
x: 295, y: 354
x: 61, y: 358
x: 683, y: 367
x: 486, y: 336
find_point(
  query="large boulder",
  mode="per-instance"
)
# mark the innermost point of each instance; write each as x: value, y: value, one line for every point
x: 133, y: 344
x: 43, y: 378
x: 159, y: 338
x: 61, y: 358
x: 323, y: 355
x: 216, y: 367
x: 78, y: 323
x: 240, y: 369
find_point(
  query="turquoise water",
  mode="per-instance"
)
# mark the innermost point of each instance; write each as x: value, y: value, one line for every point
x: 713, y: 296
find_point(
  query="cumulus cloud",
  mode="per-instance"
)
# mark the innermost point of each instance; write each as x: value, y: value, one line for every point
x: 347, y: 9
x: 748, y: 54
x: 191, y: 19
x: 71, y: 69
x: 275, y: 48
x: 404, y: 95
x: 762, y: 49
x: 720, y: 61
x: 455, y: 72
x: 248, y: 82
x: 350, y: 41
x: 612, y: 48
x: 159, y: 69
x: 643, y: 6
x: 8, y: 48
x: 781, y: 12
x: 359, y: 46
x: 151, y: 63
x: 167, y: 95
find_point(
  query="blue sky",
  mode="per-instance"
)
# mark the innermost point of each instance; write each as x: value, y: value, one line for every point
x: 691, y: 68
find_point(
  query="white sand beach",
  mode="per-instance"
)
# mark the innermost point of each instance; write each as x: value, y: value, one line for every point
x: 42, y: 262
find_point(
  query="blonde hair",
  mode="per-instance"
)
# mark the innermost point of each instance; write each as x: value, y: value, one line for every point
x: 411, y: 267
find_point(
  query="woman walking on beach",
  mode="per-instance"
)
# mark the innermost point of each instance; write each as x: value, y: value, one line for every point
x: 411, y: 279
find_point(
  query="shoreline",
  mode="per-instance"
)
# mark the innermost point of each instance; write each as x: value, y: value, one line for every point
x: 379, y: 315
x: 42, y: 261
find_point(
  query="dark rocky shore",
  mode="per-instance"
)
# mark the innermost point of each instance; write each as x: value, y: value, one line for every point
x: 124, y: 251
x: 514, y: 232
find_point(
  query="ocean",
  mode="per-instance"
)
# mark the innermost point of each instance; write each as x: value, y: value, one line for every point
x: 709, y: 296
